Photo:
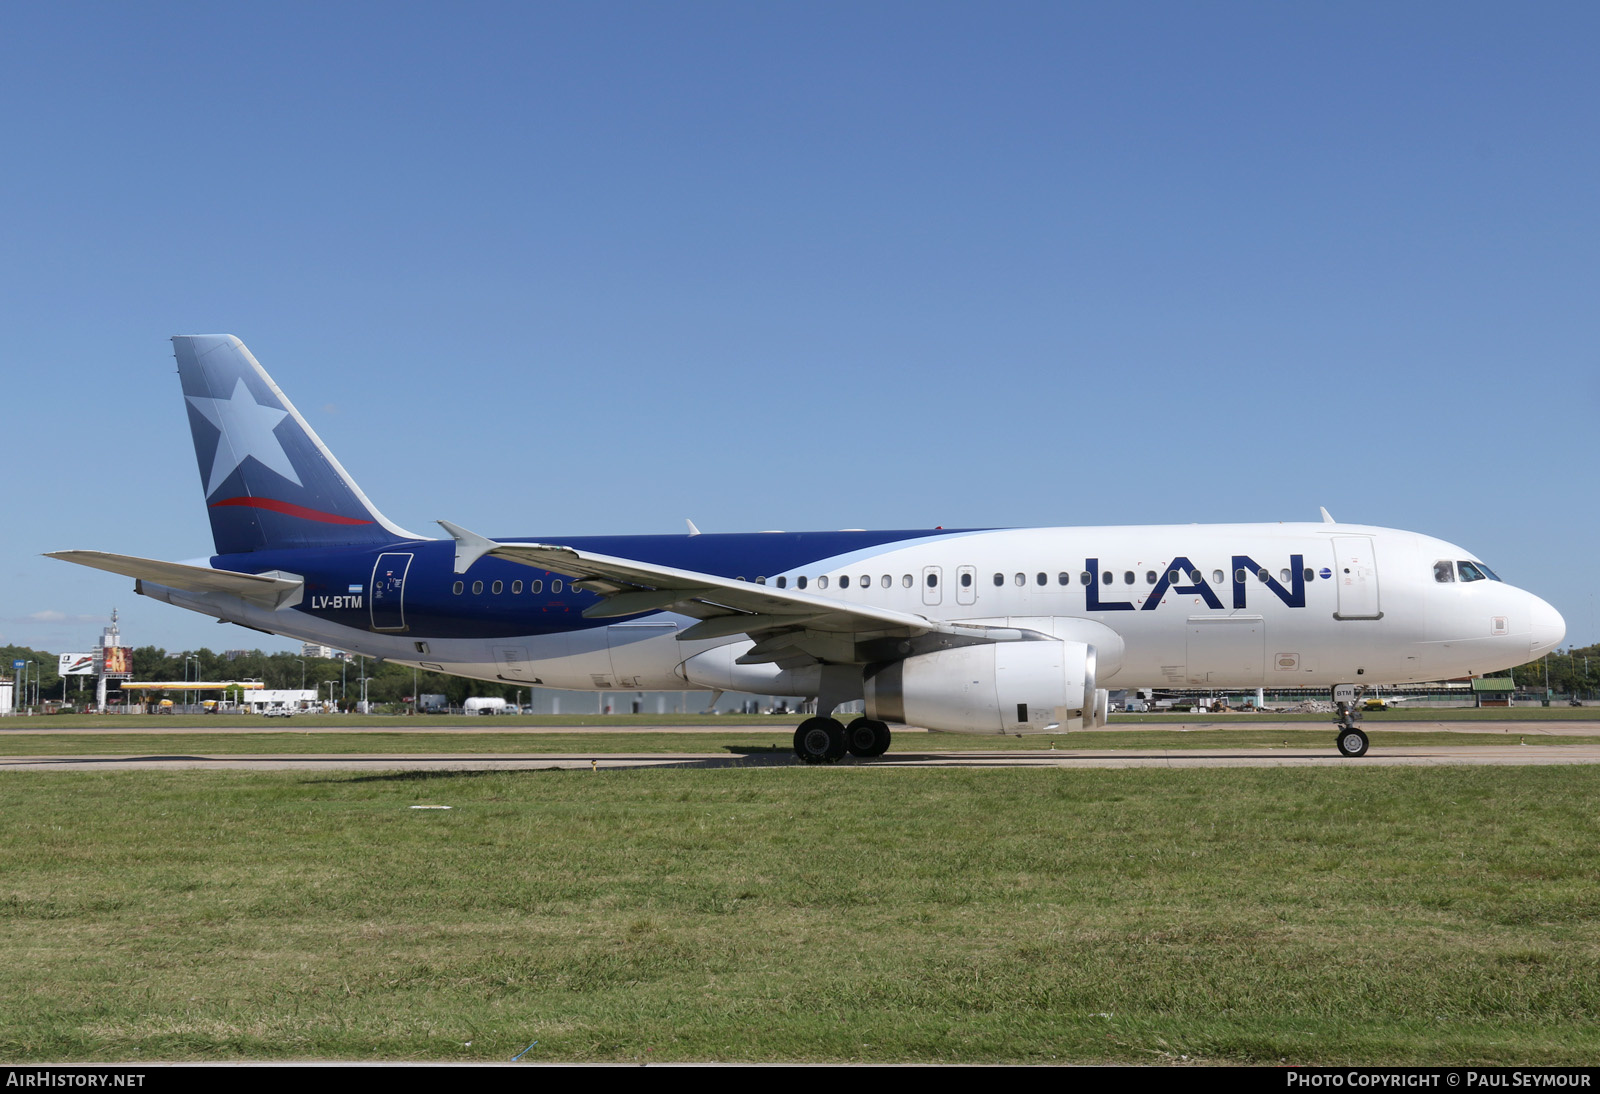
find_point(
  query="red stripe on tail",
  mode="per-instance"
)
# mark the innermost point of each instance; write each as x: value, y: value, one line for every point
x: 288, y: 509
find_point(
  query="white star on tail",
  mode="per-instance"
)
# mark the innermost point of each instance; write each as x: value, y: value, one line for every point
x: 246, y: 428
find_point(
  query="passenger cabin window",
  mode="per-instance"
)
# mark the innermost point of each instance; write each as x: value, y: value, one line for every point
x: 783, y: 583
x: 800, y: 582
x: 1085, y: 578
x: 844, y: 581
x: 555, y: 586
x: 1309, y: 573
x: 1063, y: 578
x: 822, y: 582
x: 1150, y: 577
x: 516, y: 587
x: 905, y: 581
x: 1107, y: 578
x: 999, y: 580
x: 1127, y: 577
x: 477, y: 588
x: 536, y: 586
x: 499, y: 587
x: 1020, y: 579
x: 1216, y: 577
x: 1041, y: 579
x: 1470, y: 572
x: 1284, y: 575
x: 887, y: 581
x: 456, y: 588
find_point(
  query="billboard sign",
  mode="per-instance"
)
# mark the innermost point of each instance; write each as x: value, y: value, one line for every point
x: 77, y: 664
x: 118, y: 660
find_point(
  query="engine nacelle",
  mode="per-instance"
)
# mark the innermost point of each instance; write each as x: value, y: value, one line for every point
x: 999, y: 687
x: 720, y: 668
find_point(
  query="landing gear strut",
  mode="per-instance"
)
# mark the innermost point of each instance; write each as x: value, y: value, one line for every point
x: 1351, y: 741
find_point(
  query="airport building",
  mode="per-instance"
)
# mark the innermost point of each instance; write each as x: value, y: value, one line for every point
x: 296, y: 699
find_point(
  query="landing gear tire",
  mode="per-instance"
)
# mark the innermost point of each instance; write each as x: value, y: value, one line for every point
x: 1352, y: 742
x: 820, y: 741
x: 867, y: 738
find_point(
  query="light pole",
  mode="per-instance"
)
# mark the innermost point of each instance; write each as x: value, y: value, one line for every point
x: 25, y: 671
x: 302, y: 674
x: 364, y: 680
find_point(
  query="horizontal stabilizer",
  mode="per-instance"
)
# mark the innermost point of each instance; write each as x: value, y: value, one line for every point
x: 261, y: 588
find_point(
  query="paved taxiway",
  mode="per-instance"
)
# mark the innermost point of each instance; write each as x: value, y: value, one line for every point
x: 1434, y: 756
x: 911, y: 750
x: 304, y: 725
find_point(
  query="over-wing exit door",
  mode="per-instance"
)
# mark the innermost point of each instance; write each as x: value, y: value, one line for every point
x: 389, y: 591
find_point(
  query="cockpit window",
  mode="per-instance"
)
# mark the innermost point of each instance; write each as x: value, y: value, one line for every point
x: 1492, y: 575
x: 1444, y: 571
x: 1471, y: 572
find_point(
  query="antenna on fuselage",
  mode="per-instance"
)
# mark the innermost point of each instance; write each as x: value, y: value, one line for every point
x: 1327, y: 517
x: 693, y: 531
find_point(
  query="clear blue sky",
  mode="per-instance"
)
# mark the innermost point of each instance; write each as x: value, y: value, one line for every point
x: 565, y: 268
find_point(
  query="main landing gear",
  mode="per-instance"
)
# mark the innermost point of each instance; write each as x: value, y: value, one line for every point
x: 1350, y: 741
x: 825, y: 741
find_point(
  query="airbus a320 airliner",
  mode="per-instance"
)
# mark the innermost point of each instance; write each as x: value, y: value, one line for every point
x: 972, y: 630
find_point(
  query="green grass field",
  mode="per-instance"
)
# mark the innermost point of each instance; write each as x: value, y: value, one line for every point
x: 1351, y: 914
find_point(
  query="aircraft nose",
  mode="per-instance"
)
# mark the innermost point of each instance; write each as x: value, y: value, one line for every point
x: 1548, y: 628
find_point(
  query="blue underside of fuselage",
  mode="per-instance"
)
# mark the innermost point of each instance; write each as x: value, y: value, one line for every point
x: 338, y: 581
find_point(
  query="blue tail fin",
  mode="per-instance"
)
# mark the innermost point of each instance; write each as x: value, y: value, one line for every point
x: 269, y: 480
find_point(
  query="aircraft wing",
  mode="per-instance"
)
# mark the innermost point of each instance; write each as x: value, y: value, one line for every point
x: 266, y: 589
x: 791, y: 627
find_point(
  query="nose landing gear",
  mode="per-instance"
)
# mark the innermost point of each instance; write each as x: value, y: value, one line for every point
x: 1351, y: 741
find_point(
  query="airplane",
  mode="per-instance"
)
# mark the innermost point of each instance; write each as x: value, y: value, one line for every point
x: 968, y: 630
